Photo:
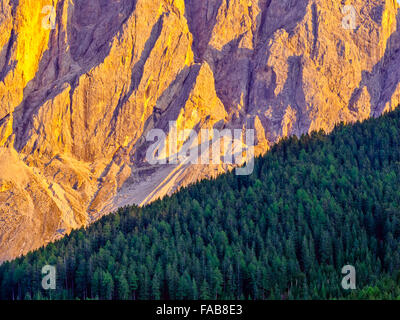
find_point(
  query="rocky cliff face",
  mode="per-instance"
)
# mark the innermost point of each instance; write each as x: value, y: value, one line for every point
x: 81, y: 88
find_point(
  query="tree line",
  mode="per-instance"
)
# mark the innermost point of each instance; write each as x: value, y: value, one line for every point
x: 312, y: 205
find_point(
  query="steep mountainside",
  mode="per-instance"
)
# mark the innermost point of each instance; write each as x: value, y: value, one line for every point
x: 77, y: 100
x: 312, y: 206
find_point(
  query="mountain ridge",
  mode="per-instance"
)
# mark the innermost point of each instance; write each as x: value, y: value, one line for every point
x: 77, y: 101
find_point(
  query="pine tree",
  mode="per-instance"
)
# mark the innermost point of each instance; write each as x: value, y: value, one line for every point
x: 205, y: 291
x: 133, y: 282
x: 123, y: 288
x: 107, y: 286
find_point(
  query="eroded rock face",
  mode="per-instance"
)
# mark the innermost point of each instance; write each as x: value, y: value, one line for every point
x: 77, y: 101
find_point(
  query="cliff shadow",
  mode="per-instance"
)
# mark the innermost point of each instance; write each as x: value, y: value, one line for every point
x: 91, y: 29
x: 381, y: 83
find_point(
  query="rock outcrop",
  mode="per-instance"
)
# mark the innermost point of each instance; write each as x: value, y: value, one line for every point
x: 82, y: 84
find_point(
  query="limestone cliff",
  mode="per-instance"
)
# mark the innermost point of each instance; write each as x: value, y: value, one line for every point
x: 82, y: 84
